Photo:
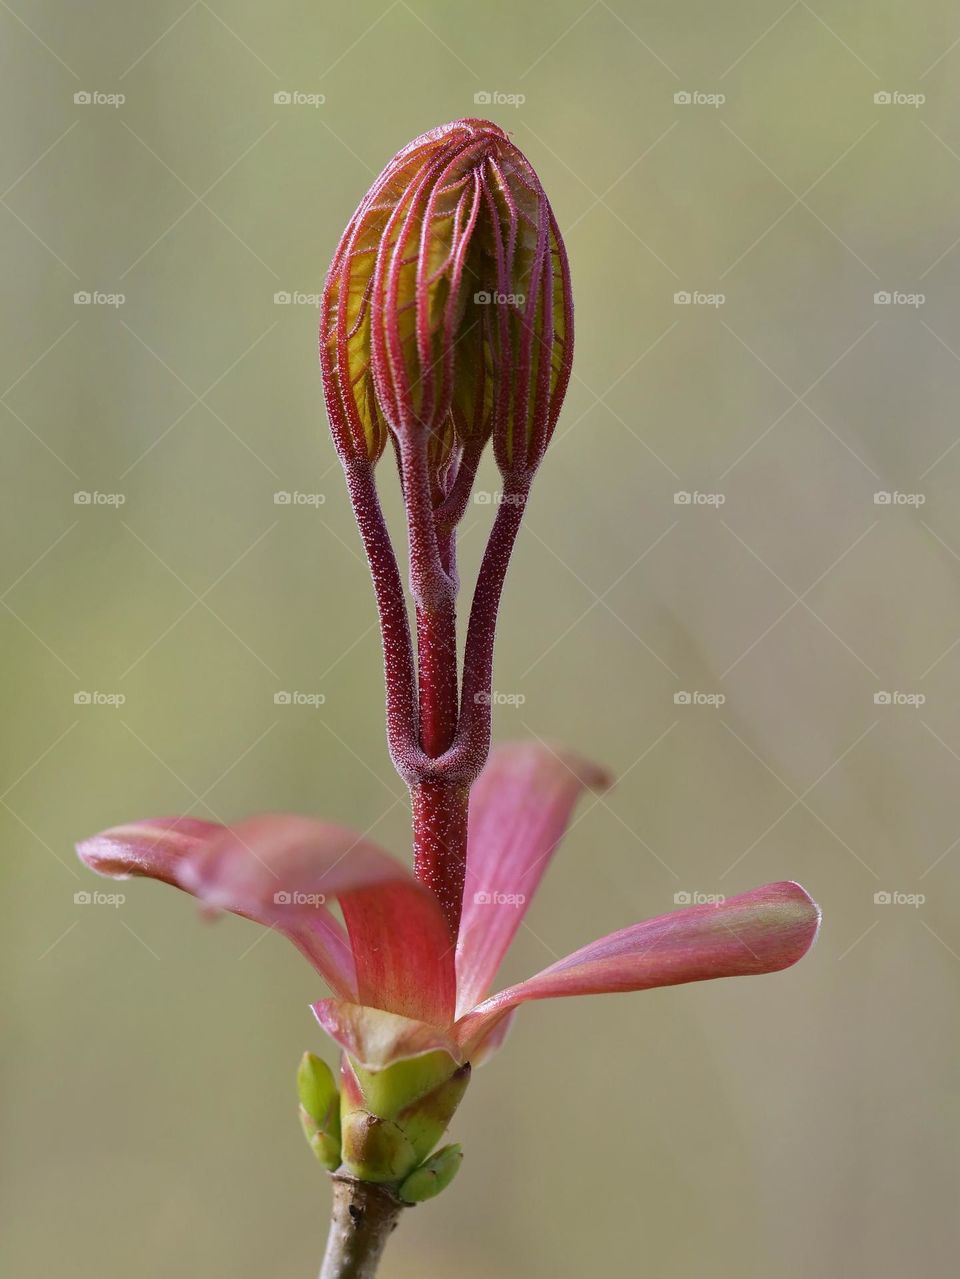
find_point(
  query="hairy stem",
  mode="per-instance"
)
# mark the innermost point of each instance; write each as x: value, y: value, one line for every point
x: 364, y: 1216
x: 473, y: 732
x: 437, y: 677
x: 402, y: 728
x: 440, y: 843
x: 439, y: 806
x: 430, y: 585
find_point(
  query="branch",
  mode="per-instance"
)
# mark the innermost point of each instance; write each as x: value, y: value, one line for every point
x: 363, y: 1218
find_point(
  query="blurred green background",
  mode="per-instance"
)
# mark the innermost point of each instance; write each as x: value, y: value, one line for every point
x: 797, y: 1125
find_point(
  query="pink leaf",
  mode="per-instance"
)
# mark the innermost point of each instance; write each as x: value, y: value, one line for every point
x: 519, y: 810
x: 152, y: 848
x: 403, y: 950
x: 761, y: 931
x: 376, y: 1039
x: 281, y: 871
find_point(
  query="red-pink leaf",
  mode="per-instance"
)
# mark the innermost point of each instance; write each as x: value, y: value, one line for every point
x: 401, y: 946
x: 403, y: 950
x: 152, y: 848
x: 281, y: 871
x: 519, y: 810
x: 761, y: 931
x: 376, y: 1039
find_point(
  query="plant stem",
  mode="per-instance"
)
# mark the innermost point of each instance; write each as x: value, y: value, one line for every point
x: 363, y: 1218
x: 430, y: 585
x: 437, y: 677
x: 473, y: 731
x: 440, y: 842
x: 391, y: 605
x: 439, y: 806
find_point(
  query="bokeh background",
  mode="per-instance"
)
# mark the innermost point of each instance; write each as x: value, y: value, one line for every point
x: 798, y: 1125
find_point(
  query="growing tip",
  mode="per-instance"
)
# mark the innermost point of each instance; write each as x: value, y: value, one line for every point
x: 447, y: 311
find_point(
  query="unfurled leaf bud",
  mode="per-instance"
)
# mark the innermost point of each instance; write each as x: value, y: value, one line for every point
x: 375, y: 1149
x: 391, y: 1119
x: 425, y: 1121
x: 319, y: 1109
x: 316, y: 1087
x: 433, y: 1175
x: 447, y: 309
x: 325, y: 1145
x: 388, y: 1091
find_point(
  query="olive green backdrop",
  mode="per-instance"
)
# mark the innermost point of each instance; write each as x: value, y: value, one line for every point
x: 799, y: 1125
